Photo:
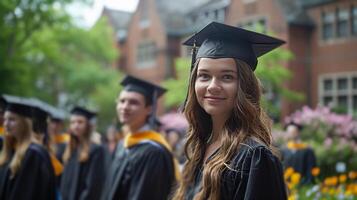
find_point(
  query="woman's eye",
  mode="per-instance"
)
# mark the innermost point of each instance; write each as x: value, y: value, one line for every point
x: 227, y: 77
x: 203, y: 76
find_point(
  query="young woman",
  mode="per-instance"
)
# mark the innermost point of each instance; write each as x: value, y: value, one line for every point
x: 85, y: 161
x: 229, y: 144
x: 25, y: 167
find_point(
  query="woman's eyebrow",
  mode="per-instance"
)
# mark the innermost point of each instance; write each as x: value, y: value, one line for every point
x: 228, y: 70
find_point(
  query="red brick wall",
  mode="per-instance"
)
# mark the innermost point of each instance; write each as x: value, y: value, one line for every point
x: 333, y: 56
x: 154, y: 32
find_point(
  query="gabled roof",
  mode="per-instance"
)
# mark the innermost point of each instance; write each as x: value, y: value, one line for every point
x: 119, y: 20
x: 177, y: 15
x: 295, y: 12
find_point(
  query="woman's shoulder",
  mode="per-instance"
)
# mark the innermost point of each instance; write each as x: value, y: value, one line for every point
x: 252, y: 144
x: 37, y: 150
x: 252, y: 149
x: 37, y: 153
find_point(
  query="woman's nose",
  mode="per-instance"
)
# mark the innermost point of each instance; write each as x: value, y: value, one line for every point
x: 214, y: 86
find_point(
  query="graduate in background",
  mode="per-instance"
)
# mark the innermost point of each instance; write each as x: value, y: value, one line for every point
x: 298, y: 155
x: 2, y: 111
x: 40, y: 118
x: 58, y: 138
x: 25, y: 166
x: 143, y: 167
x: 229, y: 142
x: 85, y: 161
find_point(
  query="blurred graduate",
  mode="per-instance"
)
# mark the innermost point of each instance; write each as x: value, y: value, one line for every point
x: 26, y: 171
x: 143, y: 166
x: 298, y: 154
x: 85, y: 161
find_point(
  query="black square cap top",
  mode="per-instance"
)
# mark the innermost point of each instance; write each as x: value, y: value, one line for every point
x: 218, y: 40
x: 149, y: 90
x: 77, y: 110
x: 18, y: 105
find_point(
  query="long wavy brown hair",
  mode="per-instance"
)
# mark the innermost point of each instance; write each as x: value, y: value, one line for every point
x: 82, y: 144
x: 246, y: 120
x: 14, y: 149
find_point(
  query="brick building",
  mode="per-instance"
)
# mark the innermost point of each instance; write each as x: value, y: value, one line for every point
x: 322, y: 35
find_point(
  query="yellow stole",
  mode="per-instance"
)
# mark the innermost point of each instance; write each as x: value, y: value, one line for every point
x: 62, y: 138
x: 296, y: 145
x: 134, y: 139
x: 57, y: 165
x: 2, y: 130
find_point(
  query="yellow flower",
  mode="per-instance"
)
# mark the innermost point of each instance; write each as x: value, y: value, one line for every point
x: 332, y: 191
x: 288, y: 172
x: 315, y: 171
x: 324, y: 190
x: 354, y: 190
x: 291, y: 197
x: 295, y: 178
x: 331, y: 181
x: 352, y: 175
x: 348, y: 193
x: 342, y: 178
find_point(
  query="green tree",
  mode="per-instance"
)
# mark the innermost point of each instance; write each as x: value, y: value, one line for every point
x: 57, y: 61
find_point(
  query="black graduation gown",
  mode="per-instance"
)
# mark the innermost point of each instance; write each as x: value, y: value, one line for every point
x: 35, y: 180
x: 301, y: 160
x: 84, y: 180
x: 60, y: 148
x: 143, y: 171
x: 255, y: 174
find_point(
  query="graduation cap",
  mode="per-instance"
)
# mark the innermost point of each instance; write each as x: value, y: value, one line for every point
x: 218, y: 40
x: 77, y: 110
x: 40, y: 114
x: 150, y: 91
x: 57, y: 115
x: 17, y: 105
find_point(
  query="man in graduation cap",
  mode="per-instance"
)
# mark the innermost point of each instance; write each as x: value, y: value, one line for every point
x: 143, y: 166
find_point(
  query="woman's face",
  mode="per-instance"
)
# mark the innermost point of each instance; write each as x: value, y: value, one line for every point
x: 216, y: 85
x: 13, y: 124
x: 78, y: 125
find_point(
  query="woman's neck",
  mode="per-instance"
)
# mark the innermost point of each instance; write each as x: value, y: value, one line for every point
x: 217, y: 127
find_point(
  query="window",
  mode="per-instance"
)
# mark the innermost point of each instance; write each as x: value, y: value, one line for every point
x: 342, y: 84
x: 328, y: 85
x: 146, y: 54
x: 342, y: 22
x: 354, y: 83
x: 259, y: 25
x: 342, y: 101
x: 354, y: 20
x: 328, y: 20
x: 327, y: 100
x: 339, y: 91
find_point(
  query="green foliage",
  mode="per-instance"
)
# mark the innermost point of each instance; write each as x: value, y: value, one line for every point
x: 48, y: 57
x: 177, y: 87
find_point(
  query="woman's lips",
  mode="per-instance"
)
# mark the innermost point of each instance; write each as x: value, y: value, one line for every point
x: 212, y: 99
